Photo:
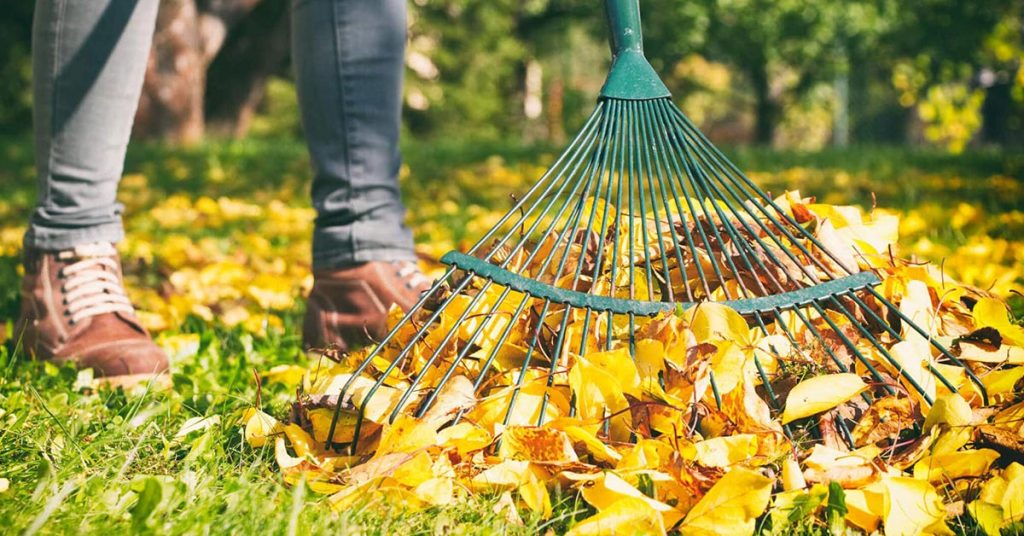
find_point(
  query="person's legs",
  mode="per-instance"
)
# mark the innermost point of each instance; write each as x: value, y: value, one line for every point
x: 349, y: 64
x: 88, y: 60
x: 349, y: 61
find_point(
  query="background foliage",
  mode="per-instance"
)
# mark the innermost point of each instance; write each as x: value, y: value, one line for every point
x: 780, y: 72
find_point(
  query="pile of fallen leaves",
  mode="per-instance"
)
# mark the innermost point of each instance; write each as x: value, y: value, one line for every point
x: 701, y: 422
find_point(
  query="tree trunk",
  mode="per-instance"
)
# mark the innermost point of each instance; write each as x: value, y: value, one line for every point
x: 766, y: 110
x: 171, y: 107
x: 257, y: 49
x: 188, y: 35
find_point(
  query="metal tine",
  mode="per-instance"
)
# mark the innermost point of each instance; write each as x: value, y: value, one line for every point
x: 913, y: 325
x: 649, y: 147
x: 945, y: 381
x: 684, y: 179
x: 587, y: 156
x: 743, y: 221
x: 606, y: 175
x: 619, y: 164
x: 526, y: 363
x: 631, y: 176
x: 672, y: 164
x: 585, y: 137
x: 700, y: 180
x: 369, y: 359
x: 846, y: 342
x: 696, y: 181
x: 657, y: 147
x: 710, y: 163
x: 636, y: 190
x: 420, y: 333
x: 738, y: 177
x: 556, y: 358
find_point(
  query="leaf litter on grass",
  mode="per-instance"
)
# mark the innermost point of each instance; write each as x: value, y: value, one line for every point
x: 647, y: 442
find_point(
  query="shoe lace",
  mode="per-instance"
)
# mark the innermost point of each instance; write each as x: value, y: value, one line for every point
x: 410, y: 272
x: 91, y: 285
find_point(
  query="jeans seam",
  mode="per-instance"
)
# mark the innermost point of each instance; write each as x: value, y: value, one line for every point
x: 347, y: 127
x: 54, y: 94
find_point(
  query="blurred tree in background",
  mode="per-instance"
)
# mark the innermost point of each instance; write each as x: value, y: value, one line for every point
x: 779, y: 72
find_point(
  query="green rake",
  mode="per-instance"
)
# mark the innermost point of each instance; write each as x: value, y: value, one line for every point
x: 702, y: 222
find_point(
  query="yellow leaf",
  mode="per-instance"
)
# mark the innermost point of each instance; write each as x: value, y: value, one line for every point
x: 731, y: 506
x: 912, y: 506
x: 436, y: 491
x: 792, y: 477
x: 464, y: 437
x: 951, y: 410
x: 1012, y: 500
x: 1010, y: 355
x: 599, y: 394
x: 507, y: 474
x: 865, y: 508
x: 456, y: 396
x: 821, y: 393
x: 1002, y: 382
x: 627, y: 515
x: 713, y: 322
x: 955, y: 465
x: 406, y: 434
x: 535, y: 495
x: 536, y: 444
x: 259, y: 426
x: 414, y: 471
x: 302, y: 443
x: 726, y: 450
x: 990, y: 312
x: 989, y: 516
x: 286, y: 374
x: 604, y: 489
x: 597, y: 448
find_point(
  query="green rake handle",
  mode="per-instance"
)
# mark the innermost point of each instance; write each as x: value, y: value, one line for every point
x: 631, y: 77
x: 624, y: 21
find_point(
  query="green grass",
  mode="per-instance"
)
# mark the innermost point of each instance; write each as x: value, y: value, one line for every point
x: 80, y: 461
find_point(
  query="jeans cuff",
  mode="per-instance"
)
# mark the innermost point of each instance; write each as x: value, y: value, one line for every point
x: 52, y: 238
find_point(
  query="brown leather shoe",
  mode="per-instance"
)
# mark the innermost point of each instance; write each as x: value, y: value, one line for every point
x: 348, y: 308
x: 74, y: 308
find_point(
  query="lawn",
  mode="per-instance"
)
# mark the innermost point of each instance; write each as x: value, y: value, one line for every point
x: 218, y: 258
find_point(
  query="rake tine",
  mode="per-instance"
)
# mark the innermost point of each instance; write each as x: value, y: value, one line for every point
x: 708, y: 146
x: 462, y: 353
x: 387, y: 372
x: 526, y: 363
x: 936, y: 344
x: 657, y: 147
x: 585, y: 136
x: 366, y: 362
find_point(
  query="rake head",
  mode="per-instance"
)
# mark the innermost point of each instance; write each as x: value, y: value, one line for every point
x: 642, y: 228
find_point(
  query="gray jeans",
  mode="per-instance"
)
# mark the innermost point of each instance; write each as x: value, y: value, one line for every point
x: 89, y: 58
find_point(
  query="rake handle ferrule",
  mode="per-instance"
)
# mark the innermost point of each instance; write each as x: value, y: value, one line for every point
x: 624, y: 22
